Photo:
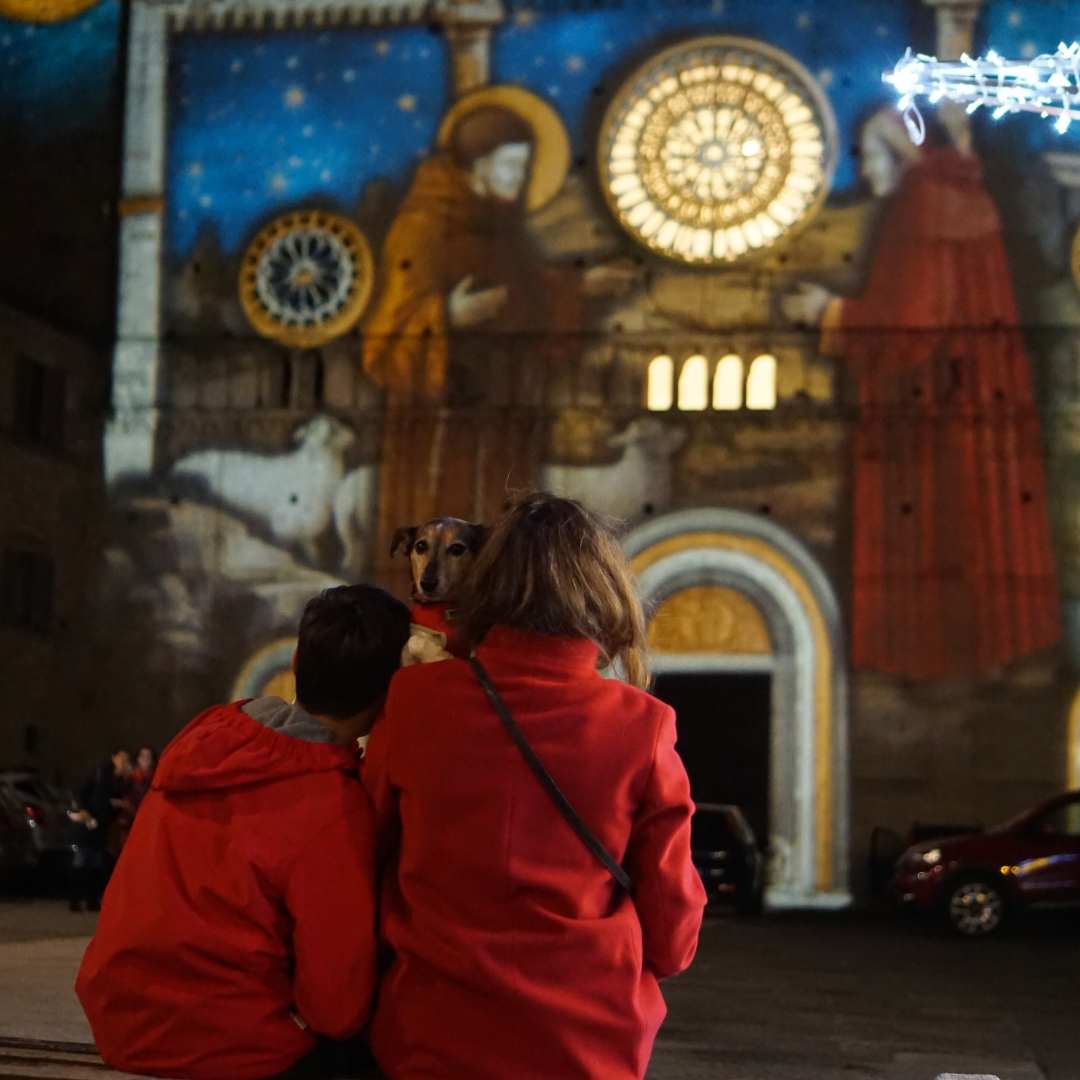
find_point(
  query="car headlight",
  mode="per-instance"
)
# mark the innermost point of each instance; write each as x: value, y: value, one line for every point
x: 924, y: 858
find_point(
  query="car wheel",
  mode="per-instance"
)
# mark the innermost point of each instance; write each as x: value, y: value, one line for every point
x: 976, y: 907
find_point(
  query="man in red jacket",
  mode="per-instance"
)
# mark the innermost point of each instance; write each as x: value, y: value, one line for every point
x: 239, y: 922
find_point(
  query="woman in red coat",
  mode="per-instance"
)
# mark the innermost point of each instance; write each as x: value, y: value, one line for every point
x: 513, y: 950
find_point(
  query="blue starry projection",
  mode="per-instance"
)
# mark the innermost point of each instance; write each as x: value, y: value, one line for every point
x: 263, y: 123
x: 59, y: 78
x: 577, y: 60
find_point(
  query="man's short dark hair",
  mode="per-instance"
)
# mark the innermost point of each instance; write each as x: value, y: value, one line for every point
x: 350, y: 644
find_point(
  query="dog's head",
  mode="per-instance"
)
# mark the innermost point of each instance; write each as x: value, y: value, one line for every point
x: 440, y: 553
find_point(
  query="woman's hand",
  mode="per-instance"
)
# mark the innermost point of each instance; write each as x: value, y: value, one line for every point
x: 467, y: 307
x: 806, y: 304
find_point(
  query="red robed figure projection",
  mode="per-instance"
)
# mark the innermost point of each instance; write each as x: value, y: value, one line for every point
x: 953, y: 568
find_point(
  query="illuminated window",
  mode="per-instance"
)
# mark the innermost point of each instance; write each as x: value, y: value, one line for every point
x: 728, y: 383
x: 761, y: 383
x: 715, y: 148
x: 659, y: 391
x: 694, y: 385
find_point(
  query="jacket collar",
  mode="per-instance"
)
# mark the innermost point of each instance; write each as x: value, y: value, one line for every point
x: 571, y: 654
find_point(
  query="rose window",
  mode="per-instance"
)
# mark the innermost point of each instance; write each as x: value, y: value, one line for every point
x: 306, y: 278
x: 715, y: 149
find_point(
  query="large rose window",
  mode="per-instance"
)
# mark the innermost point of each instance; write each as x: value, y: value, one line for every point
x: 716, y: 148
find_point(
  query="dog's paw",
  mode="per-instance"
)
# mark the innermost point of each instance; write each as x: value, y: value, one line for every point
x: 424, y: 647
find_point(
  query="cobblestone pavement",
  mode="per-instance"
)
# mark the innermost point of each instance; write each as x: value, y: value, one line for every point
x: 785, y: 997
x: 848, y: 997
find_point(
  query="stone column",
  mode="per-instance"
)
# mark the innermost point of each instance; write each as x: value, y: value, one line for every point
x: 131, y: 431
x: 469, y: 24
x: 955, y: 35
x: 955, y: 26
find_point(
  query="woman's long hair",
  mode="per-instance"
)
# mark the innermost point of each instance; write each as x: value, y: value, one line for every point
x: 553, y: 567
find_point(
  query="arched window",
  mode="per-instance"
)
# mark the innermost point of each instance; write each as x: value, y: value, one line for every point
x: 727, y: 390
x: 694, y: 384
x: 660, y: 387
x: 761, y: 383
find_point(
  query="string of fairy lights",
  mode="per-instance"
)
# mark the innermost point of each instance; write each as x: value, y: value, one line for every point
x: 1048, y: 85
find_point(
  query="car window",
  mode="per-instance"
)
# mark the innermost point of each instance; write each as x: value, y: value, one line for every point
x: 1061, y: 821
x: 709, y: 829
x: 740, y: 827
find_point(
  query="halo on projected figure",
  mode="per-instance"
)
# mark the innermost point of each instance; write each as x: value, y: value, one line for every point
x: 44, y: 11
x: 716, y: 148
x: 551, y: 151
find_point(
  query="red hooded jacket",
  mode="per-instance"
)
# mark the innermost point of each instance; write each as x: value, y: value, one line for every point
x: 515, y: 954
x: 243, y: 899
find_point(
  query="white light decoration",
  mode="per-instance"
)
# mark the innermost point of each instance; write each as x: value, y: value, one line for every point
x: 716, y: 148
x: 1048, y: 85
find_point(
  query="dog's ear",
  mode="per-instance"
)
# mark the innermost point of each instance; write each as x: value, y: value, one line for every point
x: 405, y: 536
x: 476, y: 536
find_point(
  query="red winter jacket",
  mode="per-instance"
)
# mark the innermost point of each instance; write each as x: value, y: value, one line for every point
x: 515, y: 955
x: 245, y: 894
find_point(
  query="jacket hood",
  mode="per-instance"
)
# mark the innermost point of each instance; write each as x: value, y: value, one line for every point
x: 224, y: 747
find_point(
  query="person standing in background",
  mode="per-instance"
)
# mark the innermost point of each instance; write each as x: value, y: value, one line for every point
x: 99, y: 801
x: 142, y: 776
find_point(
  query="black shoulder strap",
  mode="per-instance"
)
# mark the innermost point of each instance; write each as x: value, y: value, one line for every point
x: 545, y: 778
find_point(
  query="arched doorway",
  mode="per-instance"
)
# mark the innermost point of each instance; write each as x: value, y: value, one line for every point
x: 735, y: 594
x: 1072, y: 750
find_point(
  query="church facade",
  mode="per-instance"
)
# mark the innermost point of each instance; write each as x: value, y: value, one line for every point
x: 386, y: 259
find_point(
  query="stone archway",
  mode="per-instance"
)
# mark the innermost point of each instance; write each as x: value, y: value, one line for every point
x: 1072, y: 748
x: 809, y: 802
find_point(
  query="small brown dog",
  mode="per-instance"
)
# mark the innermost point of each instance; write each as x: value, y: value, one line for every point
x: 440, y: 553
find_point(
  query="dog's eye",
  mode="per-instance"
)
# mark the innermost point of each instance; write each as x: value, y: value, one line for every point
x: 420, y: 547
x: 456, y: 550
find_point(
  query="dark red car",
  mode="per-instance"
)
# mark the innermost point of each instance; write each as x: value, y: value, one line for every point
x: 977, y: 880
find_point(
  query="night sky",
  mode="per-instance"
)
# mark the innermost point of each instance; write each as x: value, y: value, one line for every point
x: 56, y: 79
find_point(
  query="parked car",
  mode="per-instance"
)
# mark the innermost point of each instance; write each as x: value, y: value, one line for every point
x: 978, y: 880
x: 34, y: 832
x: 726, y: 854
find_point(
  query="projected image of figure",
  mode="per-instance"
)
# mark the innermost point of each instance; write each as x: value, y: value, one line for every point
x: 953, y: 569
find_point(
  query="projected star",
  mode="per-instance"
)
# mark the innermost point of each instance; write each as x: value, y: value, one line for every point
x: 294, y: 97
x: 407, y: 103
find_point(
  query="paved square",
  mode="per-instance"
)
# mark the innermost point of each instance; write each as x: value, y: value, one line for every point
x: 785, y: 997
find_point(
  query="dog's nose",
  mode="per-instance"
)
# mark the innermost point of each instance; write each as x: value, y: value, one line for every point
x: 428, y: 582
